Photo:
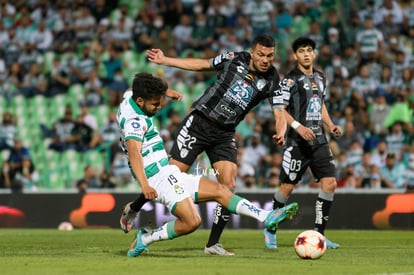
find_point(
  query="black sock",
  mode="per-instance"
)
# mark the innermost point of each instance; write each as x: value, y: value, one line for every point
x: 221, y: 217
x: 322, y: 208
x: 138, y: 203
x: 277, y: 204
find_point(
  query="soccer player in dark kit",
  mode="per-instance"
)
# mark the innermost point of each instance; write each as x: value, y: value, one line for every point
x: 244, y: 79
x: 304, y: 90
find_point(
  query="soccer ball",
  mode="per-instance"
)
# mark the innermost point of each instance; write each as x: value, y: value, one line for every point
x: 310, y: 244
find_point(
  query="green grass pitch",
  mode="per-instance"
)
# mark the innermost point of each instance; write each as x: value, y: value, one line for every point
x: 103, y: 251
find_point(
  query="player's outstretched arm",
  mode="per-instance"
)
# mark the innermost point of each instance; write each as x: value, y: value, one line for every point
x: 192, y: 64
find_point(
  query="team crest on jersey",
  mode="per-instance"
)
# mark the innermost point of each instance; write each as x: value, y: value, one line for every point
x: 260, y: 84
x: 178, y: 189
x: 292, y: 176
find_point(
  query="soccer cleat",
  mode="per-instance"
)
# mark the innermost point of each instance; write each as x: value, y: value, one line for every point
x: 270, y: 239
x: 278, y: 215
x: 217, y: 249
x: 331, y: 245
x: 137, y: 247
x: 127, y: 218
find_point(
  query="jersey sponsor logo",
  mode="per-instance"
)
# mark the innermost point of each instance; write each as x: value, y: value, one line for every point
x: 313, y: 111
x: 185, y: 140
x: 306, y: 86
x: 135, y: 125
x: 229, y: 112
x: 240, y: 94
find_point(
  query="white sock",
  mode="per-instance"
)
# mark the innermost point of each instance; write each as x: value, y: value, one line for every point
x: 159, y: 234
x: 246, y: 208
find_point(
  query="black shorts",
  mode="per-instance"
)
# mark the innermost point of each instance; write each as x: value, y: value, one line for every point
x: 197, y: 134
x: 296, y: 159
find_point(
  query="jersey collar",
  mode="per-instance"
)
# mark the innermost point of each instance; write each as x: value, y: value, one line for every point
x: 135, y: 106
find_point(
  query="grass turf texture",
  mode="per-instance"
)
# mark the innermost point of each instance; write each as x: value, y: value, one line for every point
x: 103, y: 251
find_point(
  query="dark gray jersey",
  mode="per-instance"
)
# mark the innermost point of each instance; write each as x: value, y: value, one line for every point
x: 237, y: 89
x: 304, y: 96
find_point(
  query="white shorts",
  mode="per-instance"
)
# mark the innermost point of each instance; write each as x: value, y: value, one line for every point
x: 173, y: 186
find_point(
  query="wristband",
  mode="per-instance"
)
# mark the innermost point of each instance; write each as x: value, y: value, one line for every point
x: 295, y: 124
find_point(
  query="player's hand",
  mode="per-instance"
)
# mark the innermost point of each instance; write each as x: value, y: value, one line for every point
x: 306, y: 133
x: 149, y: 192
x: 155, y: 55
x: 279, y: 139
x: 173, y: 94
x: 336, y: 130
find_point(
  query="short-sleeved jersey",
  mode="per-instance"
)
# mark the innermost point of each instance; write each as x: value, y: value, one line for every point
x: 135, y: 124
x: 237, y: 89
x: 304, y: 96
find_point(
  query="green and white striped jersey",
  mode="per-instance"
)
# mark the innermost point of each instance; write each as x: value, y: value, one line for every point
x: 135, y: 124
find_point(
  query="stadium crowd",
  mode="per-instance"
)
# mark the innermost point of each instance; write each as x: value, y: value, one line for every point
x: 365, y: 48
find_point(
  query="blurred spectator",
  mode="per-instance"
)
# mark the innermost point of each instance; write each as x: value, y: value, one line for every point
x: 29, y: 56
x: 315, y: 33
x: 93, y: 88
x: 408, y: 175
x: 90, y: 177
x: 164, y: 41
x: 17, y: 165
x: 120, y: 35
x: 386, y: 86
x: 379, y: 154
x: 243, y: 31
x: 246, y: 177
x: 364, y: 84
x: 12, y: 48
x: 28, y: 175
x: 334, y: 23
x: 171, y: 11
x: 387, y: 27
x: 112, y: 64
x: 102, y: 9
x: 35, y: 83
x: 121, y: 174
x: 106, y: 180
x: 255, y: 153
x: 350, y: 59
x: 202, y: 33
x: 64, y: 39
x: 84, y: 65
x: 396, y: 139
x: 82, y: 186
x: 390, y: 8
x: 379, y: 111
x: 82, y: 137
x: 182, y: 34
x: 108, y: 137
x: 348, y: 179
x: 58, y: 78
x: 116, y: 89
x: 84, y: 24
x: 141, y: 37
x: 261, y: 16
x: 42, y: 38
x: 12, y: 82
x: 369, y: 40
x: 349, y: 136
x: 8, y: 131
x: 283, y: 19
x: 88, y: 118
x: 392, y: 172
x: 61, y: 131
x: 246, y: 126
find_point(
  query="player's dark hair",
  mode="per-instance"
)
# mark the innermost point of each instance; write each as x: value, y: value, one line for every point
x: 147, y: 86
x: 264, y: 40
x: 302, y: 42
